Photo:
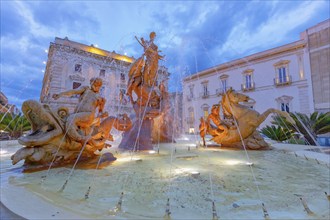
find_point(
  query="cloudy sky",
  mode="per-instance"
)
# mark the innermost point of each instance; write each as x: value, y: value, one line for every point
x: 194, y: 35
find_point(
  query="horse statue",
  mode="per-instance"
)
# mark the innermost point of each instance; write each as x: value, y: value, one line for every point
x: 241, y: 122
x: 49, y: 140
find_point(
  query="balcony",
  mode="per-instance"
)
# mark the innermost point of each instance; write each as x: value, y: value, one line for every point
x: 248, y: 87
x: 204, y: 94
x: 282, y: 81
x: 190, y: 120
x: 219, y: 92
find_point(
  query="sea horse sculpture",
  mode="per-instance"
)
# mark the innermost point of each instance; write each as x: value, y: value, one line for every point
x: 59, y: 137
x: 241, y: 122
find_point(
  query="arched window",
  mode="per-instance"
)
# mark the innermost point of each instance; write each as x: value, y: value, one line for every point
x: 284, y: 103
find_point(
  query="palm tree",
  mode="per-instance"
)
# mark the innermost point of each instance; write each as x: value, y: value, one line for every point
x: 15, y: 125
x: 277, y: 133
x: 310, y: 126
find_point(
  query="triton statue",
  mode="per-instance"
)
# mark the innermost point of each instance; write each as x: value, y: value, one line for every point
x: 59, y: 137
x: 240, y: 122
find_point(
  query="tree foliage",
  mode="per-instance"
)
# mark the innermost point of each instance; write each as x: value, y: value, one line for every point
x: 310, y: 126
x: 14, y: 125
x: 277, y: 133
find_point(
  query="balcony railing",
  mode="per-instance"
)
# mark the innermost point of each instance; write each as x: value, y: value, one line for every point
x: 248, y: 86
x: 204, y: 94
x: 190, y: 120
x: 281, y: 81
x: 219, y: 92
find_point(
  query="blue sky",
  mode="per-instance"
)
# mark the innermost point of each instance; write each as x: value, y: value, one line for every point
x: 194, y: 35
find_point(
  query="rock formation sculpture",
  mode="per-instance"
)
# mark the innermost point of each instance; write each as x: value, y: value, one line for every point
x: 239, y: 122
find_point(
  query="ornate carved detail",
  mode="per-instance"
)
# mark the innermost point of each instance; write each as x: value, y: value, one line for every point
x: 77, y: 78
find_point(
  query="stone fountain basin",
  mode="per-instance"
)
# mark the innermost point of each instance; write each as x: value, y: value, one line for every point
x: 148, y: 179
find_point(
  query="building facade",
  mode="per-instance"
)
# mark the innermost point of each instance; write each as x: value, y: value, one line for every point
x: 71, y: 65
x: 318, y: 39
x: 286, y: 78
x: 5, y: 107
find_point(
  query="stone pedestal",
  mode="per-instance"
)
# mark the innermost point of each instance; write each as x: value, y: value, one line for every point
x: 139, y: 137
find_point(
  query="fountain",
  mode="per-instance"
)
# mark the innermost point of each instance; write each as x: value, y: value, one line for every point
x: 238, y: 127
x: 178, y: 181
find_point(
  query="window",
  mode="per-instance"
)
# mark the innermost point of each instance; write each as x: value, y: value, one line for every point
x: 205, y: 90
x: 285, y: 107
x: 284, y: 103
x: 191, y: 116
x: 102, y: 91
x: 102, y: 73
x: 190, y: 95
x: 223, y: 83
x: 75, y: 85
x: 191, y: 130
x: 122, y: 76
x: 282, y: 73
x: 248, y: 83
x: 77, y: 68
x: 206, y: 114
x: 205, y: 108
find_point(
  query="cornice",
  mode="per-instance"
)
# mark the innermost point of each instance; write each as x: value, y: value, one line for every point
x: 94, y: 53
x: 249, y: 59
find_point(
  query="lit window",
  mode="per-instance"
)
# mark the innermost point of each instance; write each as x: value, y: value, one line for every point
x: 205, y: 108
x: 224, y: 85
x: 102, y: 73
x: 77, y: 68
x: 248, y: 83
x: 282, y: 73
x: 206, y: 114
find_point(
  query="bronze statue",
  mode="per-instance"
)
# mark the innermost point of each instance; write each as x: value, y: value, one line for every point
x: 59, y: 136
x: 240, y: 122
x: 149, y: 103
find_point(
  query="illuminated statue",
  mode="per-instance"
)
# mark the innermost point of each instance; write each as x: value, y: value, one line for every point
x: 151, y: 63
x: 145, y: 96
x: 59, y: 136
x: 226, y: 132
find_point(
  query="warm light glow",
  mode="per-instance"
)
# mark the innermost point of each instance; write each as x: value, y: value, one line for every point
x: 233, y: 162
x: 249, y: 163
x: 152, y: 152
x: 104, y: 53
x: 2, y: 152
x: 183, y: 170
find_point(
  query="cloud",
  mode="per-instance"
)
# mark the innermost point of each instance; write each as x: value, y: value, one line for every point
x: 269, y: 33
x: 194, y: 35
